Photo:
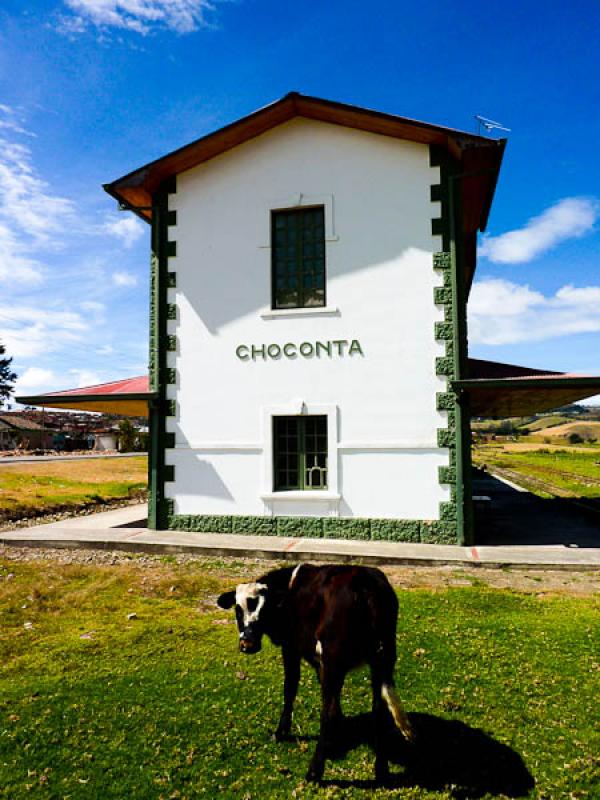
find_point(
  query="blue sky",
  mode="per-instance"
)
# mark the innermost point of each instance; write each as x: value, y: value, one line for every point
x: 90, y: 89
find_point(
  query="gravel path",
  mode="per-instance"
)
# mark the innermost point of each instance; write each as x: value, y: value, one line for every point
x: 529, y: 581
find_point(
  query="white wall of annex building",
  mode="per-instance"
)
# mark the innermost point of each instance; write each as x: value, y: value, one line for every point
x: 380, y: 282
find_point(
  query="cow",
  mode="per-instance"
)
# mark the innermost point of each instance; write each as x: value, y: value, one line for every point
x: 336, y: 618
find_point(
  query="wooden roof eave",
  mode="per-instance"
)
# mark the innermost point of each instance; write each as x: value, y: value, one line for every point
x: 135, y: 190
x: 129, y: 404
x: 504, y: 397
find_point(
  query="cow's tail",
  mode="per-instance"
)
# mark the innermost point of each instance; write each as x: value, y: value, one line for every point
x: 388, y: 693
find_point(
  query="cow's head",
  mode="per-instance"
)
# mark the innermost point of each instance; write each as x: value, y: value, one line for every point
x: 251, y: 613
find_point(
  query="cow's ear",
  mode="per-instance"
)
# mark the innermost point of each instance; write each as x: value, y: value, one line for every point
x: 226, y: 600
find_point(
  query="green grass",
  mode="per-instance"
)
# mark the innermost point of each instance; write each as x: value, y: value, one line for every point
x: 31, y: 488
x: 163, y: 706
x: 575, y: 472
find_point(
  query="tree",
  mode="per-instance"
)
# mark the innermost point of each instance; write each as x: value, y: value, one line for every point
x: 127, y: 436
x: 7, y: 376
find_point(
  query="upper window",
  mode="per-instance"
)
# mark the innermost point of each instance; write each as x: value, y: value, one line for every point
x: 300, y: 452
x: 298, y: 257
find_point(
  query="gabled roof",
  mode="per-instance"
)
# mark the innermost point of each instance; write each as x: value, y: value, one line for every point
x: 477, y: 155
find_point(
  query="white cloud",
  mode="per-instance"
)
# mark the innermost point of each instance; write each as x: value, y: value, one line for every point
x: 570, y: 218
x: 141, y: 16
x: 124, y: 279
x: 26, y: 205
x: 31, y: 216
x: 35, y: 378
x: 29, y: 331
x: 126, y: 228
x: 15, y: 265
x: 501, y: 312
x: 84, y: 377
x: 10, y: 120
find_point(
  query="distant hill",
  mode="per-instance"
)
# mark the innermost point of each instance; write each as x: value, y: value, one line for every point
x: 554, y: 424
x: 588, y: 431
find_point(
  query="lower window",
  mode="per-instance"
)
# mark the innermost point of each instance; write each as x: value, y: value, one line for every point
x: 300, y: 452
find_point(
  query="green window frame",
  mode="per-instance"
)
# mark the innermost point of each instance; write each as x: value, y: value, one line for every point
x: 298, y: 257
x: 300, y: 453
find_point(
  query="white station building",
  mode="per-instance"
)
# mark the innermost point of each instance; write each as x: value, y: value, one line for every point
x: 308, y: 347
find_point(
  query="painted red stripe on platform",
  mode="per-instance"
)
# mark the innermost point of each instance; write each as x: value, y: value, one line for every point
x: 291, y: 544
x: 474, y: 553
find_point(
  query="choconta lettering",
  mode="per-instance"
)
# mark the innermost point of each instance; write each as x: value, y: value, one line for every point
x: 275, y: 351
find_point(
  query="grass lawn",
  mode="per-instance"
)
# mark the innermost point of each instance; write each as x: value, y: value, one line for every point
x: 96, y: 705
x: 567, y: 471
x: 29, y: 489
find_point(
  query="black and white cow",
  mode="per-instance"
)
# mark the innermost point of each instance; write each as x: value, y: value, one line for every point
x: 335, y: 618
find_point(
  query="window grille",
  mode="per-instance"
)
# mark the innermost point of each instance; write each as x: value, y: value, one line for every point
x: 300, y: 453
x: 298, y: 257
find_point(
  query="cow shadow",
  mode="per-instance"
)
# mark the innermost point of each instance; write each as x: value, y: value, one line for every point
x: 448, y: 755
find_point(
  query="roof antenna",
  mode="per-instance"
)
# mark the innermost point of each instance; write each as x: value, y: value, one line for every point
x: 489, y: 125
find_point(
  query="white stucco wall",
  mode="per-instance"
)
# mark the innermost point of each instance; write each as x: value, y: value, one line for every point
x: 383, y: 459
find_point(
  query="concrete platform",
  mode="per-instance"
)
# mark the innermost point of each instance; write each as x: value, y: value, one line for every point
x: 125, y: 529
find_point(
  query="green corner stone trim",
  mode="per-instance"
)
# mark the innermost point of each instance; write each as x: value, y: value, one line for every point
x: 447, y: 475
x: 444, y: 366
x: 437, y: 226
x: 171, y: 249
x: 170, y: 375
x: 442, y: 295
x: 153, y: 337
x: 171, y: 311
x: 170, y: 506
x: 170, y: 440
x: 171, y: 218
x: 447, y: 512
x: 435, y: 192
x: 445, y: 401
x: 442, y: 261
x: 446, y: 438
x: 363, y: 528
x: 171, y: 343
x: 171, y: 280
x: 443, y: 331
x: 448, y: 313
x: 171, y: 409
x: 169, y: 472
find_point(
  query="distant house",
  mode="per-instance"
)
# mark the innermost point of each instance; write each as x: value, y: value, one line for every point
x: 19, y: 432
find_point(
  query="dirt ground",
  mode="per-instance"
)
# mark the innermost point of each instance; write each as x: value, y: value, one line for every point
x: 529, y: 581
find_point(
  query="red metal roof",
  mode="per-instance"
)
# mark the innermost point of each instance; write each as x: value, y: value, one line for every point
x: 138, y: 385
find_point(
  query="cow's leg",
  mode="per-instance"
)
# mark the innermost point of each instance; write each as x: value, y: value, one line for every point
x: 381, y: 722
x: 332, y: 680
x: 291, y: 667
